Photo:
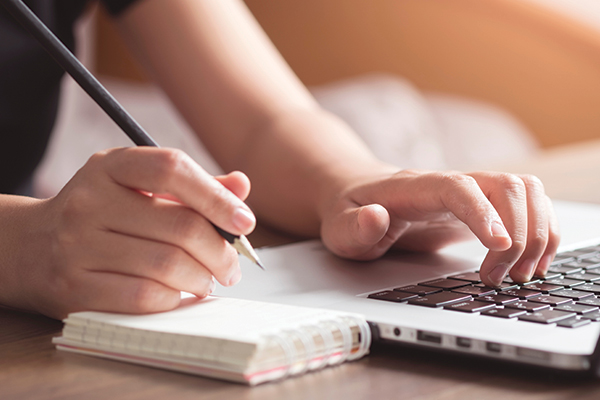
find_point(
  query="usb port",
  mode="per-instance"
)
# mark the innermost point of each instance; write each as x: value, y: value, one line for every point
x: 463, y: 342
x: 429, y: 337
x: 493, y: 347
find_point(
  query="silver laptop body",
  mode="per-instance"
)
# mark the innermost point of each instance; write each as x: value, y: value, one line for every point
x: 307, y: 274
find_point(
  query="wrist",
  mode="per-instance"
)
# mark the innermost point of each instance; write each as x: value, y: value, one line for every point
x: 300, y: 163
x: 21, y: 242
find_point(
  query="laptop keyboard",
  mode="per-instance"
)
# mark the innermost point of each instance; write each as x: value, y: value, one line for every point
x: 568, y: 296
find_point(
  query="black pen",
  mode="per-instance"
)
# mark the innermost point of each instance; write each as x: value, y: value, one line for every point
x: 67, y: 60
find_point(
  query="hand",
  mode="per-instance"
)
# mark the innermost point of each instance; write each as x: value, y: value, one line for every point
x: 421, y: 211
x: 114, y: 240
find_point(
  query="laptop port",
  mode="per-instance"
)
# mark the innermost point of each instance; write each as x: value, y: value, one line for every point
x: 429, y: 337
x: 533, y: 354
x: 463, y: 342
x: 493, y: 347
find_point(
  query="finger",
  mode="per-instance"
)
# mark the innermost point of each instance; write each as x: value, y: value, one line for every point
x: 508, y: 195
x: 361, y: 233
x: 537, y: 230
x: 137, y: 215
x: 432, y: 195
x: 171, y: 171
x: 429, y: 236
x: 102, y: 291
x: 553, y: 241
x: 164, y: 263
x: 237, y: 182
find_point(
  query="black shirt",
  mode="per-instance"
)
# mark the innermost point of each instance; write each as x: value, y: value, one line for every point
x: 30, y: 86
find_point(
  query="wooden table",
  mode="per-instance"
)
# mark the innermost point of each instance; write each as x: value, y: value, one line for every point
x: 30, y: 367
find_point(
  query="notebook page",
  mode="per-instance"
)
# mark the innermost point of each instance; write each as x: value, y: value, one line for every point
x: 215, y: 317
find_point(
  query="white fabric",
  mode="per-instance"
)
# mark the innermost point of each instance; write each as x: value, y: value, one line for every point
x: 411, y: 129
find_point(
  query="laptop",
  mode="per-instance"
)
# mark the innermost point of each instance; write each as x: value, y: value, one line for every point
x: 437, y: 301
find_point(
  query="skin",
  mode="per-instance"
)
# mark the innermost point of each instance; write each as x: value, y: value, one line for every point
x: 132, y: 228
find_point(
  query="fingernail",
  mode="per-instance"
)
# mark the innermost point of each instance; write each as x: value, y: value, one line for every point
x: 525, y: 270
x: 213, y: 286
x: 235, y: 278
x: 498, y: 274
x: 498, y: 230
x: 243, y: 219
x: 544, y: 264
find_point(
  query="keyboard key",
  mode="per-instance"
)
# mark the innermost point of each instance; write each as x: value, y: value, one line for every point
x: 590, y: 301
x: 566, y: 282
x: 443, y: 283
x: 418, y: 289
x: 531, y: 282
x: 591, y: 264
x: 527, y: 306
x: 593, y: 316
x: 391, y: 295
x: 591, y: 248
x: 504, y: 312
x: 472, y: 277
x: 551, y: 300
x: 503, y: 286
x: 572, y: 294
x: 583, y: 276
x: 593, y: 269
x: 508, y: 279
x: 474, y: 290
x: 543, y: 287
x: 439, y: 299
x: 470, y: 306
x: 521, y: 293
x: 550, y: 275
x: 573, y: 323
x: 546, y: 316
x: 576, y: 308
x: 580, y: 254
x: 564, y: 270
x: 560, y: 259
x: 498, y: 299
x: 589, y: 287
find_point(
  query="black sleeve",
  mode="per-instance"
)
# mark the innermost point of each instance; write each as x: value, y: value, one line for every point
x: 115, y: 7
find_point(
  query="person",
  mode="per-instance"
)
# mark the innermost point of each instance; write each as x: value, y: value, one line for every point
x: 132, y: 228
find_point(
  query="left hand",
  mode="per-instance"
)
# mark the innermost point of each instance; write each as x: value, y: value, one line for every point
x: 424, y: 211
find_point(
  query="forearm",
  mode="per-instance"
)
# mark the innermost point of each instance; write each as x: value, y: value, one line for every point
x: 216, y: 65
x: 247, y: 106
x: 301, y: 162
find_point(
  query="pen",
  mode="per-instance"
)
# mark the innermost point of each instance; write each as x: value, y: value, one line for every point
x: 67, y: 60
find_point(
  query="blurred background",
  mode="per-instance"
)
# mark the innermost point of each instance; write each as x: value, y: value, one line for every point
x: 460, y: 84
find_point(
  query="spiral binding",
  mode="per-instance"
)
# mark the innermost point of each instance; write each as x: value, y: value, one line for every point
x: 288, y: 350
x: 342, y: 324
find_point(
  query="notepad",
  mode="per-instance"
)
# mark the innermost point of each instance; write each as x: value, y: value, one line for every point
x: 237, y: 340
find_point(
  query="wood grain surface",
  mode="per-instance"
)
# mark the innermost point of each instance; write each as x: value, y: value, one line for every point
x: 30, y: 367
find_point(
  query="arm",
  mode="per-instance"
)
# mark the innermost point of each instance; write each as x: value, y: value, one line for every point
x: 245, y: 104
x: 310, y: 173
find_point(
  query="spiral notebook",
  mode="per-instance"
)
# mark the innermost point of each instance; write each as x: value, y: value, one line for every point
x: 237, y: 340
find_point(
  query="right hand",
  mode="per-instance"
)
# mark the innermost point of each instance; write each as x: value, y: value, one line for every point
x: 425, y: 211
x: 130, y: 231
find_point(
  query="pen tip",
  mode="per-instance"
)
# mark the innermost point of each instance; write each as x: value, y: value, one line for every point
x: 260, y: 265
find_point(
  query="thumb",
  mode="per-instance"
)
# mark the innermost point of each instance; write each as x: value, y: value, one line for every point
x: 358, y: 233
